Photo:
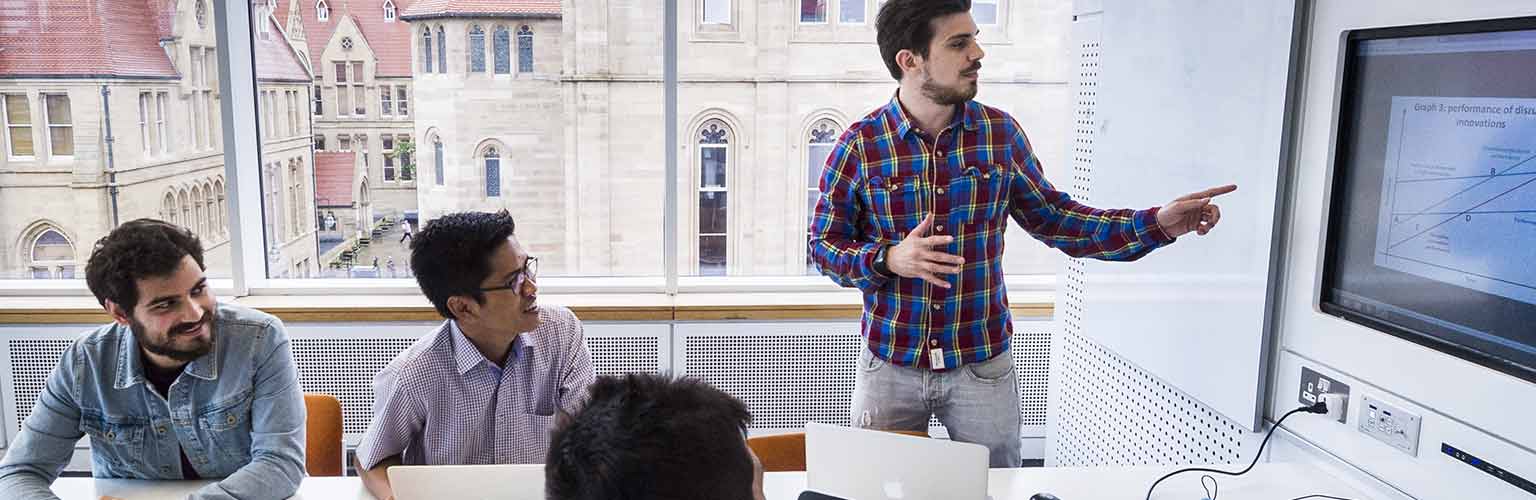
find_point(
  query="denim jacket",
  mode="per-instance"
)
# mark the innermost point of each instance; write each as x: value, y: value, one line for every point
x: 236, y: 411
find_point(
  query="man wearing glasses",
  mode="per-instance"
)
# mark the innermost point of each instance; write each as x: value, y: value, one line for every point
x: 486, y: 386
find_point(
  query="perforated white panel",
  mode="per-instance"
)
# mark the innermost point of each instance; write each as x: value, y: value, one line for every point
x: 620, y: 355
x: 1102, y: 409
x: 793, y: 373
x: 31, y: 360
x: 1108, y: 412
x: 344, y: 367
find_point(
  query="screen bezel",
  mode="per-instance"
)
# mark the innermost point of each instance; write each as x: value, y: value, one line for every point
x: 1343, y: 142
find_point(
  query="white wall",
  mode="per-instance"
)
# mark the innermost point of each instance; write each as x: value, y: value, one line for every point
x: 1475, y: 408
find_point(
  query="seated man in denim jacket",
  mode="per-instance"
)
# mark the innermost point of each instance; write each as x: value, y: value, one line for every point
x: 178, y: 387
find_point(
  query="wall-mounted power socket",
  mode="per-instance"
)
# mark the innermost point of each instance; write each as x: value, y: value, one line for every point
x: 1390, y: 425
x: 1314, y: 385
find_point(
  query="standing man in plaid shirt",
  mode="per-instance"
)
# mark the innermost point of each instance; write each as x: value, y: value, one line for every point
x: 914, y: 200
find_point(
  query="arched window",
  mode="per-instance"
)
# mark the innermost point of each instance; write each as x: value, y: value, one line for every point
x: 524, y: 49
x: 492, y: 159
x: 51, y: 255
x: 322, y: 11
x: 714, y: 158
x: 437, y: 159
x: 218, y: 192
x: 295, y: 194
x: 501, y: 40
x: 476, y: 49
x: 442, y: 50
x: 168, y: 208
x: 389, y: 11
x: 426, y: 49
x: 271, y: 205
x: 186, y: 209
x: 197, y: 224
x: 818, y: 146
x: 213, y: 211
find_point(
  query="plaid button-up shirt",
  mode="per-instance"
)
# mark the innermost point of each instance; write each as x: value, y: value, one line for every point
x: 884, y: 176
x: 441, y: 402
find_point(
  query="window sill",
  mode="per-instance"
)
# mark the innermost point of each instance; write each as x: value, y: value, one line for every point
x: 840, y: 305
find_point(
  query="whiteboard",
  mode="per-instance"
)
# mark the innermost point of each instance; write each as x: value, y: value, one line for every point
x: 1192, y: 94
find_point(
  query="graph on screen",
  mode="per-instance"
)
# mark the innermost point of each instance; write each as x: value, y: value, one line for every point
x: 1458, y: 200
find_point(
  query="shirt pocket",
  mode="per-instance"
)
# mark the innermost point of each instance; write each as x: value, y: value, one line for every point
x: 117, y: 445
x: 978, y: 195
x: 227, y: 425
x: 894, y: 206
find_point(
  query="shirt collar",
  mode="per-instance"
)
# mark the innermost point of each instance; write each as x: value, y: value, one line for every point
x: 968, y: 117
x: 130, y: 365
x: 467, y: 356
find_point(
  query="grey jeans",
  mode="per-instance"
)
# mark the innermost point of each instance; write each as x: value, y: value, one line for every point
x: 977, y: 403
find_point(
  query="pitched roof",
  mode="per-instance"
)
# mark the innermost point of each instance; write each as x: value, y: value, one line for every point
x: 85, y: 38
x: 334, y: 174
x: 275, y: 58
x: 390, y: 40
x: 429, y: 9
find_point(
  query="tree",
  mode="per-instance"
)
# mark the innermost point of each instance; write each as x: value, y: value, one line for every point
x: 405, y: 153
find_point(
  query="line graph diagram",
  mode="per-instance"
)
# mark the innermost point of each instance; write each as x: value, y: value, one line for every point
x: 1458, y: 200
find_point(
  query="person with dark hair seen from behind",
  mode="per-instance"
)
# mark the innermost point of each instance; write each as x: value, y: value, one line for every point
x: 914, y: 200
x: 486, y: 386
x: 653, y: 437
x: 179, y: 386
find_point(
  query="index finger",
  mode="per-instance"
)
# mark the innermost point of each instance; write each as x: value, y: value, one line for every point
x: 1209, y: 193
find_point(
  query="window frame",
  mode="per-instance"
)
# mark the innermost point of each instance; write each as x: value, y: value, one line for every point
x: 6, y: 126
x: 37, y: 230
x: 48, y: 126
x: 525, y: 64
x: 998, y: 13
x: 731, y: 135
x: 828, y: 14
x: 238, y: 193
x: 322, y: 11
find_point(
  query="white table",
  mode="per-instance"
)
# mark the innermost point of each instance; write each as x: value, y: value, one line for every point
x: 1269, y: 481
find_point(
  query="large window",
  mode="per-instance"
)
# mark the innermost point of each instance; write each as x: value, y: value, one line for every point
x: 986, y: 12
x: 437, y: 160
x: 492, y: 160
x: 387, y: 145
x: 60, y: 122
x: 503, y: 52
x: 715, y: 12
x: 17, y: 116
x: 476, y: 49
x: 442, y: 50
x: 818, y: 146
x: 52, y: 256
x: 574, y: 151
x: 714, y: 162
x: 426, y: 50
x: 813, y: 11
x: 524, y: 49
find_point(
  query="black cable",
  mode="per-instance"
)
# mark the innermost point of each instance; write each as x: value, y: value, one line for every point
x: 1212, y: 490
x: 1318, y: 407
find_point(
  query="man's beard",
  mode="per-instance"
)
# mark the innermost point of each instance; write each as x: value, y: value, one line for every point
x: 949, y: 96
x: 141, y: 334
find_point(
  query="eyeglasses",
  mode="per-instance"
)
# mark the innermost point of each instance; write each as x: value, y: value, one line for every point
x: 529, y: 272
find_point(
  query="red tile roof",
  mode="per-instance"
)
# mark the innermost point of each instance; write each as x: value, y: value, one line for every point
x: 390, y: 40
x: 87, y: 38
x: 334, y: 173
x: 275, y: 58
x: 428, y: 9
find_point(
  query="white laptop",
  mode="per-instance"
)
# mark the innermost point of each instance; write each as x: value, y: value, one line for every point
x: 468, y: 482
x: 860, y: 464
